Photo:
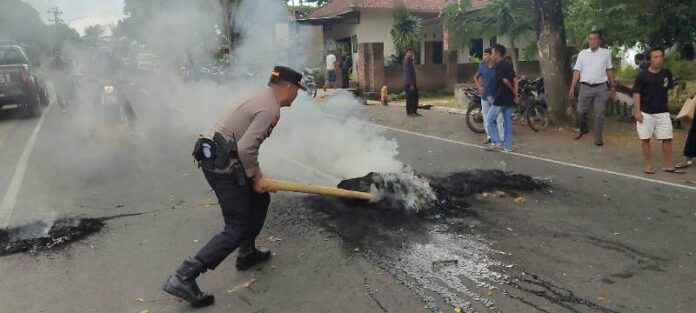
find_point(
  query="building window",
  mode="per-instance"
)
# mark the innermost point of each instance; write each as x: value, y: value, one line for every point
x: 354, y: 42
x: 476, y: 48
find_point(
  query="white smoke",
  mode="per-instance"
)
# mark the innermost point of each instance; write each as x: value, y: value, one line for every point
x: 315, y: 142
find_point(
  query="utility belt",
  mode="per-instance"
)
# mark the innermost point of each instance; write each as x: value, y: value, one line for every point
x: 215, y: 154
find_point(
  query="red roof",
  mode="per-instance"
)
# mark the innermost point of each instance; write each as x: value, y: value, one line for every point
x: 338, y: 7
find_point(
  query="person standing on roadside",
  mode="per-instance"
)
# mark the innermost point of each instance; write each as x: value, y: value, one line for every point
x: 652, y: 115
x: 486, y: 83
x: 330, y: 80
x: 593, y: 70
x: 640, y: 61
x: 346, y: 66
x: 506, y: 96
x: 410, y: 84
x: 689, y: 148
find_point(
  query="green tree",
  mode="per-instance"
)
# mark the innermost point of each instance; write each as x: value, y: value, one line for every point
x: 511, y: 18
x: 59, y: 35
x: 629, y: 23
x: 20, y: 22
x: 407, y: 30
x: 93, y: 34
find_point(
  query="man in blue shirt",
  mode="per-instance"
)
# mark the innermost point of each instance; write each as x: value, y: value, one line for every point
x: 485, y: 81
x: 504, y: 100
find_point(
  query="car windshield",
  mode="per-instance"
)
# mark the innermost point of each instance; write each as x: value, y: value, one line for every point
x: 11, y: 55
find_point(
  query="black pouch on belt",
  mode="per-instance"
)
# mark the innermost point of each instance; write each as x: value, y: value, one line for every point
x: 204, y: 153
x: 226, y: 151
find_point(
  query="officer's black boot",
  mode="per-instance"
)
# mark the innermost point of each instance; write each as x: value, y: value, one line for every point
x: 182, y: 284
x: 249, y: 256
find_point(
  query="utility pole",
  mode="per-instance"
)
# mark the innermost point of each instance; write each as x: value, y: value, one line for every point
x: 56, y: 12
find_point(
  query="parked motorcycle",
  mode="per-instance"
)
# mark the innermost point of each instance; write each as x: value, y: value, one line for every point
x: 533, y: 105
x: 308, y: 81
x: 474, y: 112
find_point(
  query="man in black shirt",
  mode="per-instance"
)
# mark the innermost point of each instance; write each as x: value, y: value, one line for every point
x: 410, y: 85
x: 652, y: 116
x: 504, y: 100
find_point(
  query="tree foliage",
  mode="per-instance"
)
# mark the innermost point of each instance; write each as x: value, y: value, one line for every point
x: 407, y: 30
x: 499, y: 17
x: 141, y: 14
x: 93, y: 34
x: 630, y: 23
x: 21, y: 23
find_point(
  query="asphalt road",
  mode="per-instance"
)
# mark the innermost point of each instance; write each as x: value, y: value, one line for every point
x: 591, y: 242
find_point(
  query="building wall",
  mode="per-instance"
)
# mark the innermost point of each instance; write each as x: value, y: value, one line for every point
x: 522, y: 43
x: 431, y: 32
x: 430, y: 78
x: 311, y: 40
x: 374, y: 27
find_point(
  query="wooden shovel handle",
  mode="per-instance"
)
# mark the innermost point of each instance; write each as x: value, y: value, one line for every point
x: 319, y: 190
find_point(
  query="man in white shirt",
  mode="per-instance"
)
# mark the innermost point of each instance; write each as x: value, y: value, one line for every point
x: 594, y: 70
x: 330, y: 80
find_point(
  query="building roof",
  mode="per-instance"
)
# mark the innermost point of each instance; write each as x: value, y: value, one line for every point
x: 339, y: 7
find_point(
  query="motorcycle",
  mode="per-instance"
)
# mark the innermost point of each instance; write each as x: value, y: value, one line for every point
x: 533, y: 105
x: 474, y: 112
x: 114, y: 105
x: 308, y: 81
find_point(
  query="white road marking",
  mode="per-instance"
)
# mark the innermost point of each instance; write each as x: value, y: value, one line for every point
x: 599, y: 170
x: 10, y: 199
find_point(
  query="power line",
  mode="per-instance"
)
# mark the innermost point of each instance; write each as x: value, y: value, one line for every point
x: 56, y: 12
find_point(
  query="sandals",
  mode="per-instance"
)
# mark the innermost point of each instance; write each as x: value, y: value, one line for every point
x: 649, y: 171
x: 673, y: 171
x: 684, y: 164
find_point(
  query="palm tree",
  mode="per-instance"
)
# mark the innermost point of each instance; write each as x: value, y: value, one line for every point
x: 500, y: 17
x: 407, y: 30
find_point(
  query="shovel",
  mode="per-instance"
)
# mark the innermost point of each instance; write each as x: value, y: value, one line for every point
x: 319, y: 190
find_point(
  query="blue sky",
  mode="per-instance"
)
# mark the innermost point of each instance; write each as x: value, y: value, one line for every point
x: 82, y: 13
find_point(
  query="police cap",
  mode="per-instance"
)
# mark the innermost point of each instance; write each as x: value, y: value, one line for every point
x: 287, y: 74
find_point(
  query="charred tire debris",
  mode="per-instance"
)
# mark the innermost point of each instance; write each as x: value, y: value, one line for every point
x: 50, y: 235
x: 441, y: 252
x: 42, y: 236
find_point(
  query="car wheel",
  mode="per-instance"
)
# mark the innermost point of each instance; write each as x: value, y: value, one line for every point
x: 33, y: 107
x: 45, y: 99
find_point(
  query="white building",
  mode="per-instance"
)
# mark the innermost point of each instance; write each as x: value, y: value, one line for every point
x: 349, y: 22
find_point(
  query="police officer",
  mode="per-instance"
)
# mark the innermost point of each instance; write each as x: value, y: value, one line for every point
x: 241, y: 188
